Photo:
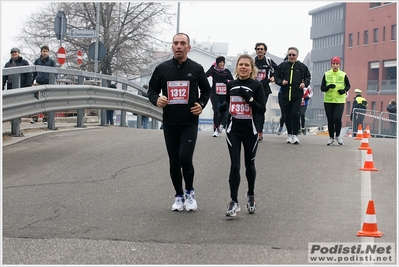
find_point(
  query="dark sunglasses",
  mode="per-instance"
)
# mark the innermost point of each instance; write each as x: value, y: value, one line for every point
x: 292, y: 55
x: 259, y: 48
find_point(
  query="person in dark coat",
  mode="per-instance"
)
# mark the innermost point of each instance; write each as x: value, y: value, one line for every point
x: 43, y: 60
x: 17, y: 61
x: 391, y: 108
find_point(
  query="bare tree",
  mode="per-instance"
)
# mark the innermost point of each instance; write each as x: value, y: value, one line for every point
x: 128, y: 30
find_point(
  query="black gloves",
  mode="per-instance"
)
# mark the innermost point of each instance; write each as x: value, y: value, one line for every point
x: 331, y: 85
x: 306, y: 98
x: 341, y: 92
x: 242, y: 92
x: 223, y: 107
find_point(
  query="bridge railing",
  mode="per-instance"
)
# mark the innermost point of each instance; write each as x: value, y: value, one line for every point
x: 28, y: 101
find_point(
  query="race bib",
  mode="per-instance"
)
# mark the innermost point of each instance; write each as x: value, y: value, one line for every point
x: 261, y: 74
x: 178, y: 92
x: 239, y: 108
x: 221, y: 89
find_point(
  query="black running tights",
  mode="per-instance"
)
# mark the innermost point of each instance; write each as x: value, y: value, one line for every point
x: 180, y: 143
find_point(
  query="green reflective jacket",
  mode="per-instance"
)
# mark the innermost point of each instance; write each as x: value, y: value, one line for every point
x: 337, y: 78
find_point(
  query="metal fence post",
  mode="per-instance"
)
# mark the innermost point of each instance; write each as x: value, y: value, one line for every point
x: 16, y: 127
x: 80, y: 112
x: 51, y: 120
x: 123, y: 112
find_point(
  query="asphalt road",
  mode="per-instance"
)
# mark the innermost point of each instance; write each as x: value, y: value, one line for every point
x: 103, y: 195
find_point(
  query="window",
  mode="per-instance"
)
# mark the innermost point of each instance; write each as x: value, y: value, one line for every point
x: 358, y: 38
x: 375, y: 4
x: 383, y: 34
x: 375, y: 36
x: 393, y: 32
x: 350, y: 40
x: 366, y: 38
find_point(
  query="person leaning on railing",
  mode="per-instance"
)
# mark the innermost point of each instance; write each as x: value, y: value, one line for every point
x: 17, y: 61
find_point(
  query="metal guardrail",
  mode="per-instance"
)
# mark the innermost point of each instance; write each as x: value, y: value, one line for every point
x: 28, y: 101
x: 381, y: 124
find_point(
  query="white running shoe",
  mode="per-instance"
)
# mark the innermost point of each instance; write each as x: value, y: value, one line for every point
x: 330, y: 142
x: 220, y: 129
x: 232, y: 209
x: 295, y: 139
x: 179, y: 203
x: 339, y: 140
x: 251, y: 205
x: 191, y: 203
x: 289, y: 139
x: 216, y: 133
x: 279, y: 130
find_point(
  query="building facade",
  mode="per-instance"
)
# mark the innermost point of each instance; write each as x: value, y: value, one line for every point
x: 363, y: 35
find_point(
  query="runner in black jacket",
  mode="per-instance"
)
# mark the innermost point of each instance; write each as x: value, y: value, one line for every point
x: 178, y: 79
x: 292, y: 76
x: 245, y: 97
x: 220, y: 77
x: 266, y: 68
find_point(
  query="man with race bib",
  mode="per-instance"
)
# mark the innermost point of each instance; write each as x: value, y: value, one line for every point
x: 178, y: 80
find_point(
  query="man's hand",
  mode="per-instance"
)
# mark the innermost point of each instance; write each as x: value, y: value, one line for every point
x: 162, y: 101
x: 196, y: 109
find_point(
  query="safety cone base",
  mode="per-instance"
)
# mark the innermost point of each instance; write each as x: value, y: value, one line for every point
x: 370, y: 234
x: 369, y: 169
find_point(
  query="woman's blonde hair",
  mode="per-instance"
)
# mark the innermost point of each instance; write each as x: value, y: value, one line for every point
x: 254, y: 71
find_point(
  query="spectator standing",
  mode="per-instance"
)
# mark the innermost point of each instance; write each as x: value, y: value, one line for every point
x: 293, y: 76
x: 179, y: 79
x: 17, y: 61
x: 360, y: 104
x: 335, y: 84
x: 145, y: 119
x: 391, y: 108
x: 245, y: 97
x: 220, y: 77
x: 110, y: 113
x: 42, y: 77
x: 43, y: 60
x: 266, y: 69
x: 307, y: 94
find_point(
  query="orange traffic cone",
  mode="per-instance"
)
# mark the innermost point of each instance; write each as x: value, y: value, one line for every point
x: 364, y: 145
x: 359, y: 134
x: 367, y: 132
x: 370, y: 227
x: 368, y: 163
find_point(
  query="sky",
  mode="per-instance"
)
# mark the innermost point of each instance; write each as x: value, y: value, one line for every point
x: 241, y: 24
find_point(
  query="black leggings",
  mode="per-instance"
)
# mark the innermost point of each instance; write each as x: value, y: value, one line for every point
x: 218, y: 117
x: 280, y: 103
x: 250, y: 143
x: 180, y: 143
x: 334, y: 113
x: 302, y: 112
x: 291, y: 113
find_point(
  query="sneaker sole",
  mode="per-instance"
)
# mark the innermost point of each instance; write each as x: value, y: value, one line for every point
x: 178, y: 209
x: 233, y: 214
x: 191, y: 209
x: 250, y: 211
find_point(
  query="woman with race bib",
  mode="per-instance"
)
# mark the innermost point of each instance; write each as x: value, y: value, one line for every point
x: 244, y: 97
x: 220, y: 77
